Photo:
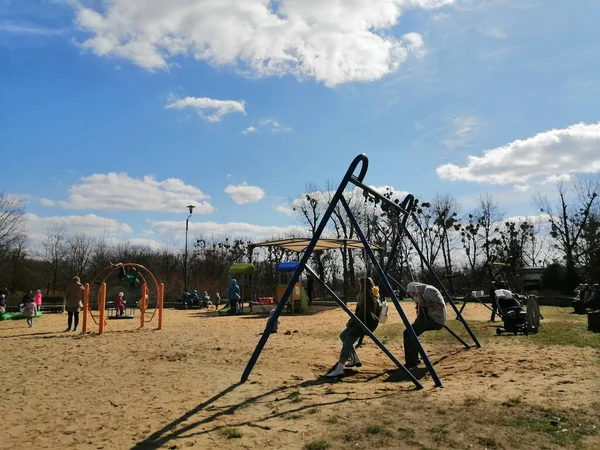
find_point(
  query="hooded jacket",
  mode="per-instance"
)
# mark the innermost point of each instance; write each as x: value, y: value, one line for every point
x: 431, y: 300
x: 74, y: 296
x: 233, y: 290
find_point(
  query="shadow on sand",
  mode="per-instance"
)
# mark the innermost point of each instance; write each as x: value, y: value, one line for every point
x: 175, y: 430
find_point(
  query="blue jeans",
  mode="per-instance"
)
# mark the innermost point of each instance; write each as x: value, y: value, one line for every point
x: 348, y: 337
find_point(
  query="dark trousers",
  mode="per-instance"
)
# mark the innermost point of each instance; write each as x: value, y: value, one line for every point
x: 73, y: 315
x: 494, y: 310
x: 233, y: 306
x: 411, y: 350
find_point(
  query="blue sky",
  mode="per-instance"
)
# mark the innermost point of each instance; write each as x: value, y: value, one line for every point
x: 181, y: 100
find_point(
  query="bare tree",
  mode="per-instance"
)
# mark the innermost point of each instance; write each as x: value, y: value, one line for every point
x: 569, y: 219
x: 310, y: 207
x: 54, y: 254
x: 79, y: 250
x: 445, y: 211
x: 12, y: 222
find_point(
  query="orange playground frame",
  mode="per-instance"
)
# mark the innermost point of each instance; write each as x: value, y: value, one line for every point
x: 100, y: 320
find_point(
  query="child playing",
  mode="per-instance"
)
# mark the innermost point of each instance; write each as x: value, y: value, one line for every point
x: 120, y: 304
x: 30, y: 310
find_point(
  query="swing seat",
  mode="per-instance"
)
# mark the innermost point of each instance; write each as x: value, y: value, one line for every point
x: 124, y: 316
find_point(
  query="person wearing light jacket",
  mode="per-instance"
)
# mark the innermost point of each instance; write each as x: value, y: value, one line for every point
x: 37, y: 298
x: 431, y: 315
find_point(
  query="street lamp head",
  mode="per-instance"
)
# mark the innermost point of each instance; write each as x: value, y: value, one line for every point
x: 191, y: 208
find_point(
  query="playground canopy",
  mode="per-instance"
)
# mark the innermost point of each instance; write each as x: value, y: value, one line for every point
x: 299, y: 244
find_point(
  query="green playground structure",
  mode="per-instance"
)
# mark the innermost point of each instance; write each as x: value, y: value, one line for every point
x: 16, y: 316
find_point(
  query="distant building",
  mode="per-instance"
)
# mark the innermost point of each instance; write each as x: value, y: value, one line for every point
x: 531, y: 278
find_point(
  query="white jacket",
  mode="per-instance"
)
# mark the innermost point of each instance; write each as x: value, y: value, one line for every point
x: 432, y: 300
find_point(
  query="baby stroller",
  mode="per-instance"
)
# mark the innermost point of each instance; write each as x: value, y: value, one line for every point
x: 513, y: 315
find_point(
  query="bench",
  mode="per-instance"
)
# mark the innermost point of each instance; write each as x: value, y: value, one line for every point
x: 53, y: 304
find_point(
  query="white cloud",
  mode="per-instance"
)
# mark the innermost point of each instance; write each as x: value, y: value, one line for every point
x: 494, y: 32
x: 274, y: 125
x: 29, y: 29
x: 285, y: 209
x: 230, y: 229
x: 250, y: 130
x: 90, y: 224
x: 244, y: 193
x: 553, y: 179
x: 146, y: 243
x: 333, y: 42
x: 218, y: 108
x: 462, y: 131
x: 553, y: 153
x: 118, y: 191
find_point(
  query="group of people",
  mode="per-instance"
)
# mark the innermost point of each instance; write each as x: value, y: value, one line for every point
x: 32, y: 303
x: 431, y: 315
x: 196, y: 300
x: 588, y: 297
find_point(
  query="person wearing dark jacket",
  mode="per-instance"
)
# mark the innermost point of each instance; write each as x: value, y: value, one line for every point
x: 366, y: 311
x: 73, y: 303
x: 498, y: 283
x: 594, y: 301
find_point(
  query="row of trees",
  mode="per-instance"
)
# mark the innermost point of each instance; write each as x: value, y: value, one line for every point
x: 458, y: 245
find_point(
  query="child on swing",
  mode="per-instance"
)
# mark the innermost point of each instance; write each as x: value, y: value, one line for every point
x: 366, y: 308
x: 120, y: 304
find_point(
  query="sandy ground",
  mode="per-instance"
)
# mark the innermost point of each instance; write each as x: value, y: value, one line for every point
x: 178, y: 388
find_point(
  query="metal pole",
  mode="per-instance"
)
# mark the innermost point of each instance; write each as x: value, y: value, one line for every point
x: 185, y: 256
x: 368, y: 332
x: 443, y: 289
x: 388, y: 287
x: 160, y: 306
x: 86, y: 307
x: 101, y: 308
x: 360, y: 159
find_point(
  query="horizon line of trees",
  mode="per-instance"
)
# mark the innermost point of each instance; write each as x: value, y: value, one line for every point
x: 458, y: 245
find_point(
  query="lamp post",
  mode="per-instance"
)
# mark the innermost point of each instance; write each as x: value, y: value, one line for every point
x: 185, y: 256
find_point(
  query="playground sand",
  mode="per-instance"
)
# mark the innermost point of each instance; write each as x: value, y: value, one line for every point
x: 176, y: 388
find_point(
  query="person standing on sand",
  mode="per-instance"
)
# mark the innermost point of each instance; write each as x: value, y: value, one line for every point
x: 30, y: 310
x: 74, y: 302
x: 233, y: 295
x: 38, y: 300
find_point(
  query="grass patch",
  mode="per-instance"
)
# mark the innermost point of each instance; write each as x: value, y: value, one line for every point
x: 246, y: 403
x: 488, y: 442
x: 230, y: 433
x: 293, y: 417
x: 573, y: 333
x: 439, y: 433
x: 329, y: 391
x: 560, y: 428
x: 512, y: 401
x: 407, y: 433
x: 470, y: 401
x: 312, y: 411
x: 295, y: 397
x: 375, y: 429
x: 317, y: 444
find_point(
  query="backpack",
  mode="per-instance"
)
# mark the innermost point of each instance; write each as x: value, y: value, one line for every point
x: 381, y: 310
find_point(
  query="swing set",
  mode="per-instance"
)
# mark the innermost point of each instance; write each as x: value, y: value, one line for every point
x: 403, y: 210
x: 147, y: 289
